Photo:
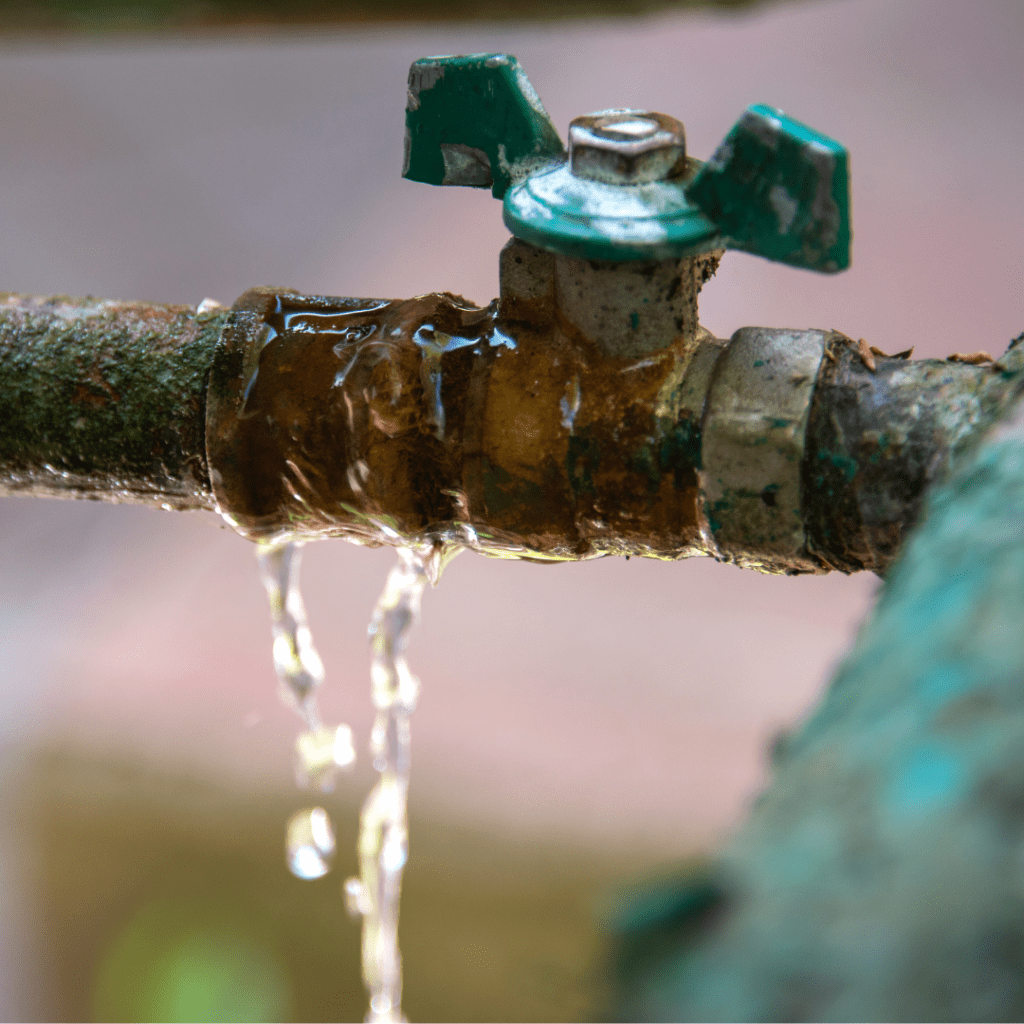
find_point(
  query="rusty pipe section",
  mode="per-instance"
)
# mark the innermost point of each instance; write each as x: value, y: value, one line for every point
x: 430, y: 417
x: 105, y: 400
x: 509, y: 430
x: 521, y: 429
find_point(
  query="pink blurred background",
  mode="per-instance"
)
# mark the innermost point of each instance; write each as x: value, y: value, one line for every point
x: 623, y: 705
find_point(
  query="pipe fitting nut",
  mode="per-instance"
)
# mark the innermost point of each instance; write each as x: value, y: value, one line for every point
x: 626, y: 147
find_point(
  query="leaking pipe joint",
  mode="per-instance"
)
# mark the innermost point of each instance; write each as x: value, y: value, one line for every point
x: 585, y: 412
x: 510, y: 430
x: 507, y: 428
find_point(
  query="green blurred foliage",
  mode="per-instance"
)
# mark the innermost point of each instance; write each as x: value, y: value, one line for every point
x: 184, y: 960
x: 167, y: 898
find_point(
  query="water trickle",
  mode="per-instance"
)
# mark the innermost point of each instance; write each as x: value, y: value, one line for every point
x: 322, y: 751
x: 299, y: 668
x: 383, y: 823
x: 320, y: 754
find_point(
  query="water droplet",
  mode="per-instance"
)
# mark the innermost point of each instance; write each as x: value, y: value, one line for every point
x: 298, y: 665
x: 320, y: 754
x: 357, y: 899
x: 437, y: 561
x: 309, y: 843
x: 381, y: 1009
x: 393, y: 853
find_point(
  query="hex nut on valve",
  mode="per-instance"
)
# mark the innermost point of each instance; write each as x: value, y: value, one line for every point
x: 626, y: 147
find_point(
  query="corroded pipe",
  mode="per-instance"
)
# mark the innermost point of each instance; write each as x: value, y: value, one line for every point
x: 105, y: 400
x: 507, y: 428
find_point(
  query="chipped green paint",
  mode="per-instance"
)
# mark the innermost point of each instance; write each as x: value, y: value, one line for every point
x: 780, y: 190
x: 774, y: 187
x: 845, y: 465
x: 647, y: 464
x: 503, y: 491
x: 714, y: 513
x: 470, y: 120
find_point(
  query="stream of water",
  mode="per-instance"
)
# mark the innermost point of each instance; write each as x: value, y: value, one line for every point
x: 321, y: 752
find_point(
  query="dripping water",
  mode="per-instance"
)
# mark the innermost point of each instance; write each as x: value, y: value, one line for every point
x: 383, y: 823
x: 322, y: 751
x: 299, y: 668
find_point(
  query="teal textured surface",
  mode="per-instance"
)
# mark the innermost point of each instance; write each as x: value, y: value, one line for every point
x: 470, y: 120
x: 779, y: 189
x: 573, y: 216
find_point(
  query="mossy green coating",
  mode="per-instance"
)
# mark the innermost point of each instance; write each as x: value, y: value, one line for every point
x: 105, y: 399
x: 879, y: 877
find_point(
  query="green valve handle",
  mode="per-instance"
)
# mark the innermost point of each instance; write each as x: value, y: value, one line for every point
x: 471, y: 120
x: 779, y: 189
x: 627, y: 190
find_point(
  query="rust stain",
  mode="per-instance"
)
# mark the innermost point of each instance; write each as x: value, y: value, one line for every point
x: 866, y: 355
x: 905, y: 354
x: 429, y: 415
x: 971, y: 358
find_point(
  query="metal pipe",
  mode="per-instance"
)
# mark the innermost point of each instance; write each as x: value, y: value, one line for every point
x: 508, y: 430
x: 504, y: 429
x: 105, y: 400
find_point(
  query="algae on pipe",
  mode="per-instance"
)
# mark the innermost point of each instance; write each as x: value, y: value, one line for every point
x: 107, y: 400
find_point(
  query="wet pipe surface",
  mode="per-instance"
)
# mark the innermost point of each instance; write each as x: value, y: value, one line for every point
x: 433, y: 420
x: 503, y: 429
x: 431, y: 417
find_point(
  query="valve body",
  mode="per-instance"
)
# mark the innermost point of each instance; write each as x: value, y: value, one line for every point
x: 509, y: 430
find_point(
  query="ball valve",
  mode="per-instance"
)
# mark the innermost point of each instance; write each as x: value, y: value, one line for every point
x: 628, y: 191
x: 584, y: 412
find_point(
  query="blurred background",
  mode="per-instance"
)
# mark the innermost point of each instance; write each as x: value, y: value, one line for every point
x: 581, y: 726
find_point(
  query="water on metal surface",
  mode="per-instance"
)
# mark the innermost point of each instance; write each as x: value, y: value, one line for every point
x: 426, y: 419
